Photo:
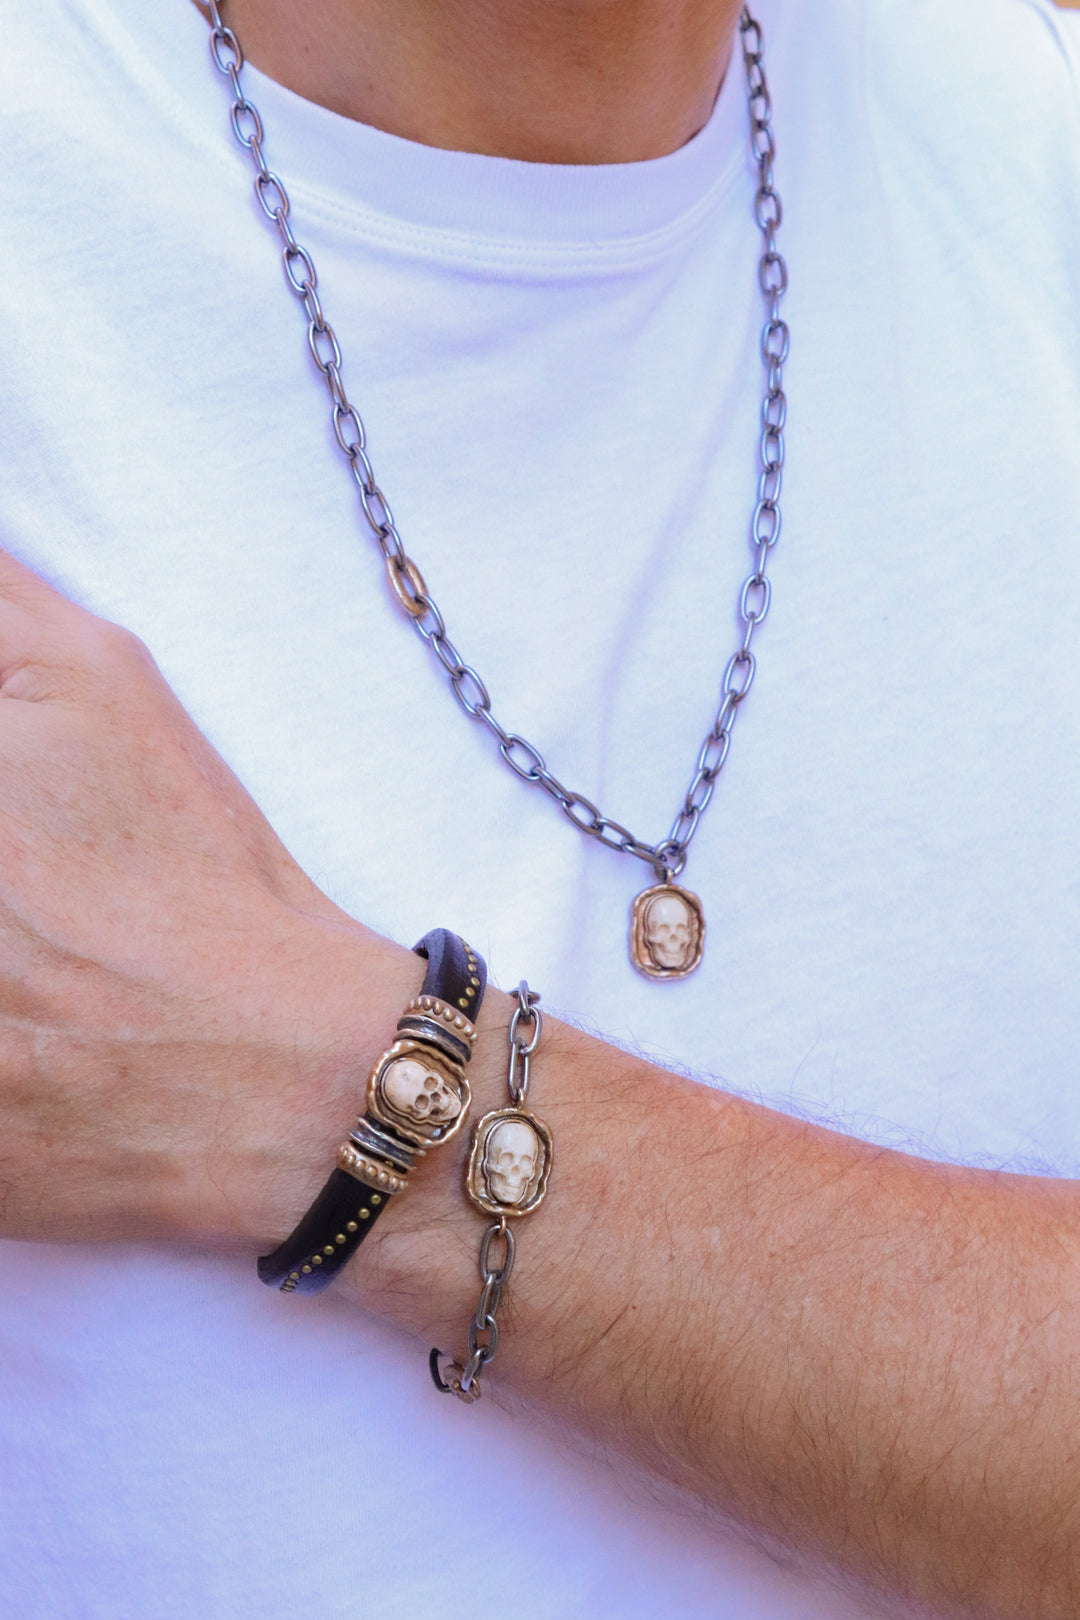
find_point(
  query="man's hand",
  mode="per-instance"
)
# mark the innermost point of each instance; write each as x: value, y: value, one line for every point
x: 168, y: 1055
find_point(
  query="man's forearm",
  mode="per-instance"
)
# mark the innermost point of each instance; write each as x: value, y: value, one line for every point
x: 865, y: 1354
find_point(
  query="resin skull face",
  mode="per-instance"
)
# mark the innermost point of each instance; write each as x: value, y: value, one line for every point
x: 670, y: 930
x: 510, y: 1160
x: 417, y: 1092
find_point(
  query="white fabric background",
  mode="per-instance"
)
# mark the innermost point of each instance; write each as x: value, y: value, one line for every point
x: 559, y: 374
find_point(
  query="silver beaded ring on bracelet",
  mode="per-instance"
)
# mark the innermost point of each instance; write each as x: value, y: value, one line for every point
x: 510, y: 1161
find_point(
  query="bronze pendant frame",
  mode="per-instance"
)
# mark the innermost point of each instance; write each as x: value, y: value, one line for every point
x: 645, y: 948
x: 477, y: 1182
x: 422, y: 1133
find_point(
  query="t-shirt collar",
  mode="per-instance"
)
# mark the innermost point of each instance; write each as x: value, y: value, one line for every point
x: 353, y: 167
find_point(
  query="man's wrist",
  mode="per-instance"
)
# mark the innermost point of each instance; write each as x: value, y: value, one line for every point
x: 323, y: 1008
x: 317, y: 1008
x: 419, y: 1266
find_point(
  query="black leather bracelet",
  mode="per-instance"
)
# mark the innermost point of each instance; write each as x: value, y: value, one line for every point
x: 417, y: 1097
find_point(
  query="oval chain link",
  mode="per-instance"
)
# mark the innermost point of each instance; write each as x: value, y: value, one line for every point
x: 669, y: 856
x: 522, y: 1047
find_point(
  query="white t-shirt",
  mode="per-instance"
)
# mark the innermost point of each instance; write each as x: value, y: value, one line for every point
x: 560, y: 377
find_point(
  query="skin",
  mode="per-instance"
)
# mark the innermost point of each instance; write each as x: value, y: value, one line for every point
x: 547, y: 81
x: 874, y: 1360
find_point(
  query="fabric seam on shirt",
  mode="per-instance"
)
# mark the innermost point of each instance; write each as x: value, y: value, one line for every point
x: 627, y: 253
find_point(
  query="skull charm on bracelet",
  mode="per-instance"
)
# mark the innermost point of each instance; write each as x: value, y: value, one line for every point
x: 421, y: 1094
x: 509, y: 1163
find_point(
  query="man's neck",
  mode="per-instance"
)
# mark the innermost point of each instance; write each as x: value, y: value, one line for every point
x: 546, y: 81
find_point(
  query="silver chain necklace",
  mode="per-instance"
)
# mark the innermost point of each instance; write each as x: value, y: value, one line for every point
x: 667, y: 923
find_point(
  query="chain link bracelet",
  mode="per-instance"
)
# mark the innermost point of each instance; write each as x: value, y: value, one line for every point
x: 510, y: 1161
